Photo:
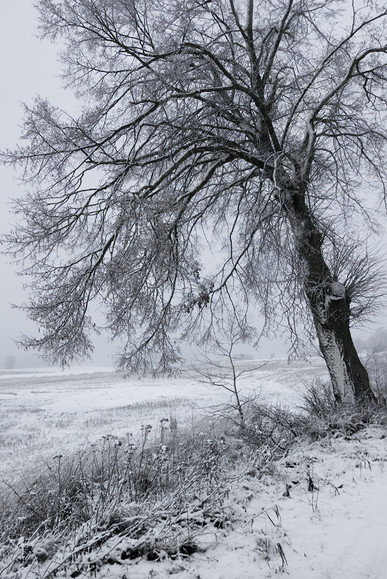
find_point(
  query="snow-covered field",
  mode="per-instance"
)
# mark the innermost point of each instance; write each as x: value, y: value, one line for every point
x: 49, y: 410
x: 321, y: 511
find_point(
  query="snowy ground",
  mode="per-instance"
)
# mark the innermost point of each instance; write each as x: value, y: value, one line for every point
x: 320, y: 513
x: 338, y: 530
x: 90, y: 389
x: 49, y: 410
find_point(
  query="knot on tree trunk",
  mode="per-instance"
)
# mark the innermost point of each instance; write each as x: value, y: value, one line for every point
x: 336, y: 303
x: 336, y: 291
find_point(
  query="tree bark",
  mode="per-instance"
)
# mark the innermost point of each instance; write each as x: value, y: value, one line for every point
x: 349, y: 378
x: 329, y: 305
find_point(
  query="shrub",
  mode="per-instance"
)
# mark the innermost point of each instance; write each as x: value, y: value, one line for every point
x: 326, y: 416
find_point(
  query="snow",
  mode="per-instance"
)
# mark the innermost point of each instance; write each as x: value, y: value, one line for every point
x: 337, y: 290
x: 50, y: 411
x: 340, y: 530
x: 337, y: 531
x: 79, y: 391
x: 319, y: 513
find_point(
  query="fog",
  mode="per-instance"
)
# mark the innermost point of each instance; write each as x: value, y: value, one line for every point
x: 29, y: 67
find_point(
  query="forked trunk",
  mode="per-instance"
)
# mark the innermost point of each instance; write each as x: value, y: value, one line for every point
x: 329, y: 305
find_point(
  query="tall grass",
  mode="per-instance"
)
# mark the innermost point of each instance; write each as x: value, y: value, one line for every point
x: 157, y: 488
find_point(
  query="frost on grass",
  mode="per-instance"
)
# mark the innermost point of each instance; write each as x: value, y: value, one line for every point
x: 122, y: 499
x: 207, y: 497
x: 317, y: 510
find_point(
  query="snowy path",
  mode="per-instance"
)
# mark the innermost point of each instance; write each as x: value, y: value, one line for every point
x: 336, y: 532
x: 346, y: 536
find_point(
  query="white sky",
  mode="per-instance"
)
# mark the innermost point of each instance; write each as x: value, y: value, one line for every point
x: 28, y: 66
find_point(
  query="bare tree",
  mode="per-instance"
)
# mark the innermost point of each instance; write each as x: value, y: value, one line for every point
x: 222, y: 369
x: 254, y: 128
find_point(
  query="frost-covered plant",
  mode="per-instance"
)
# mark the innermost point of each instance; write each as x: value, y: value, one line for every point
x: 221, y: 369
x: 101, y: 482
x: 324, y: 415
x: 319, y: 399
x: 122, y: 498
x: 274, y: 428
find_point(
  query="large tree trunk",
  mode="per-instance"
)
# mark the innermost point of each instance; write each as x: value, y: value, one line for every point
x: 349, y: 377
x: 329, y: 305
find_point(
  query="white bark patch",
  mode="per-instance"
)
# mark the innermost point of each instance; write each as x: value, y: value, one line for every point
x: 334, y: 358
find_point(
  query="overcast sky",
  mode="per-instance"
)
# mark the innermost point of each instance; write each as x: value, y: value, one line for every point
x: 29, y: 67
